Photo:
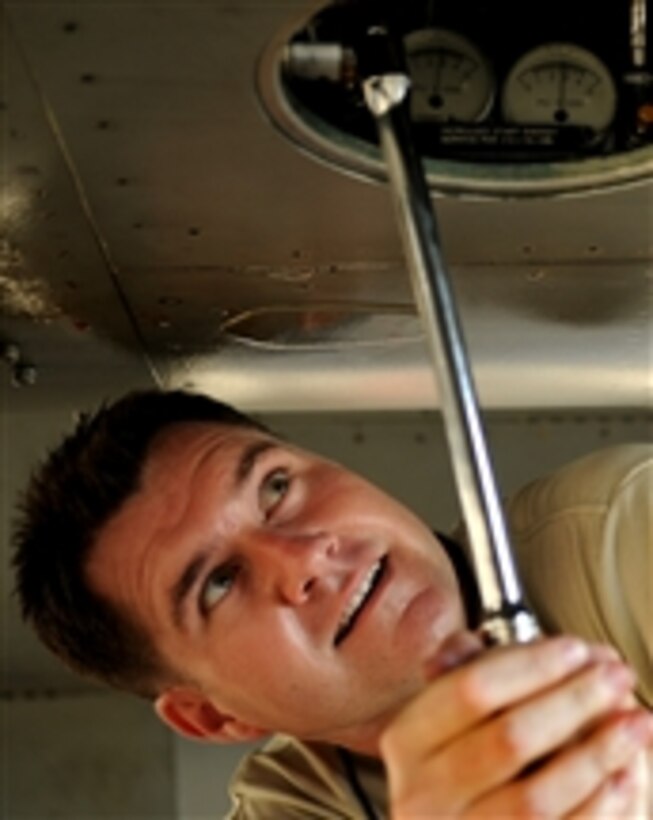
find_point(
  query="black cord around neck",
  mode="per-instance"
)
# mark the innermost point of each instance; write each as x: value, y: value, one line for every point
x: 347, y: 760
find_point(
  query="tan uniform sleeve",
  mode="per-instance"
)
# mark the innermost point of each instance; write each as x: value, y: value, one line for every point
x: 584, y: 541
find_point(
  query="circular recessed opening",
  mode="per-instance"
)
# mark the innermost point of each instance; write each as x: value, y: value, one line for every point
x: 324, y: 326
x: 507, y: 101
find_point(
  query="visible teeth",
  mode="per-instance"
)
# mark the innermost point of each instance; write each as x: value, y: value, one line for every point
x: 359, y: 596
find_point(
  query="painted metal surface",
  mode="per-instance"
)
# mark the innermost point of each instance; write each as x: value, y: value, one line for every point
x: 148, y: 204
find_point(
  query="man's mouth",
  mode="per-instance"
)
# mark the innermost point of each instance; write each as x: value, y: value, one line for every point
x: 359, y: 599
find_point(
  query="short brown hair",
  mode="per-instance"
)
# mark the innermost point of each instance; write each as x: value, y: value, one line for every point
x: 75, y: 491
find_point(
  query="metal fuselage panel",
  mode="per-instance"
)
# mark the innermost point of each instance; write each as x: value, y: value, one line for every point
x: 150, y: 207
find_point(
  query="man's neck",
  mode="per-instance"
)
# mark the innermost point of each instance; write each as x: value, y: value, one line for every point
x: 362, y: 739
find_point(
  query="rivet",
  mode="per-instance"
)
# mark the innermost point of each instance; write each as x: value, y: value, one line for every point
x: 88, y: 78
x: 536, y: 275
x: 71, y: 27
x: 193, y: 231
x: 10, y: 352
x: 24, y: 375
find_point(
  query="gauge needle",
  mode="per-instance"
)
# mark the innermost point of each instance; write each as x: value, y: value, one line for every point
x: 438, y: 73
x: 562, y: 92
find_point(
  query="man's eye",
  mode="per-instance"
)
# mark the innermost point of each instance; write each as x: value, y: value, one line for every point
x: 217, y: 585
x: 272, y: 490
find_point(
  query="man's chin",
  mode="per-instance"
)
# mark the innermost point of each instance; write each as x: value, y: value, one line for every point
x: 429, y: 618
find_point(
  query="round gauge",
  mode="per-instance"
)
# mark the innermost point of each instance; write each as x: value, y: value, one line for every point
x: 560, y: 84
x: 451, y: 79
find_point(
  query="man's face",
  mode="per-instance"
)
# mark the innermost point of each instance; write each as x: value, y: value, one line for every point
x: 293, y: 593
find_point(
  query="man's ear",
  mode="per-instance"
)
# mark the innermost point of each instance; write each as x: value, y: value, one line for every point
x: 190, y: 713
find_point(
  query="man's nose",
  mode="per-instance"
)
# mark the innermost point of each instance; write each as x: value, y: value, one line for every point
x: 292, y: 567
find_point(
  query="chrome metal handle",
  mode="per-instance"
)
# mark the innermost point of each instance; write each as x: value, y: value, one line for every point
x: 506, y: 616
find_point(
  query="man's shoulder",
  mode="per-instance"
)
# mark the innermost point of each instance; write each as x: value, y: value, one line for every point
x: 290, y: 778
x: 589, y: 484
x: 583, y: 537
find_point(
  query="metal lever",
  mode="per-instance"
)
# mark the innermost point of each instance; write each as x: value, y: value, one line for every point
x: 506, y: 619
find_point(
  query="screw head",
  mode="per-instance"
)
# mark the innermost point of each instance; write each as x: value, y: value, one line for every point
x: 10, y: 352
x: 24, y: 375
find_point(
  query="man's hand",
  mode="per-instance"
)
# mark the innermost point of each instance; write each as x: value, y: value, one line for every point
x: 545, y: 729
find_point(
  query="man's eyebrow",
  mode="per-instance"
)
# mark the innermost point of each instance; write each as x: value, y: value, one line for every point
x: 249, y: 457
x: 185, y: 583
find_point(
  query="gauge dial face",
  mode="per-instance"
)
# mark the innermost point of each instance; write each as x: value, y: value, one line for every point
x: 560, y: 84
x: 451, y: 79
